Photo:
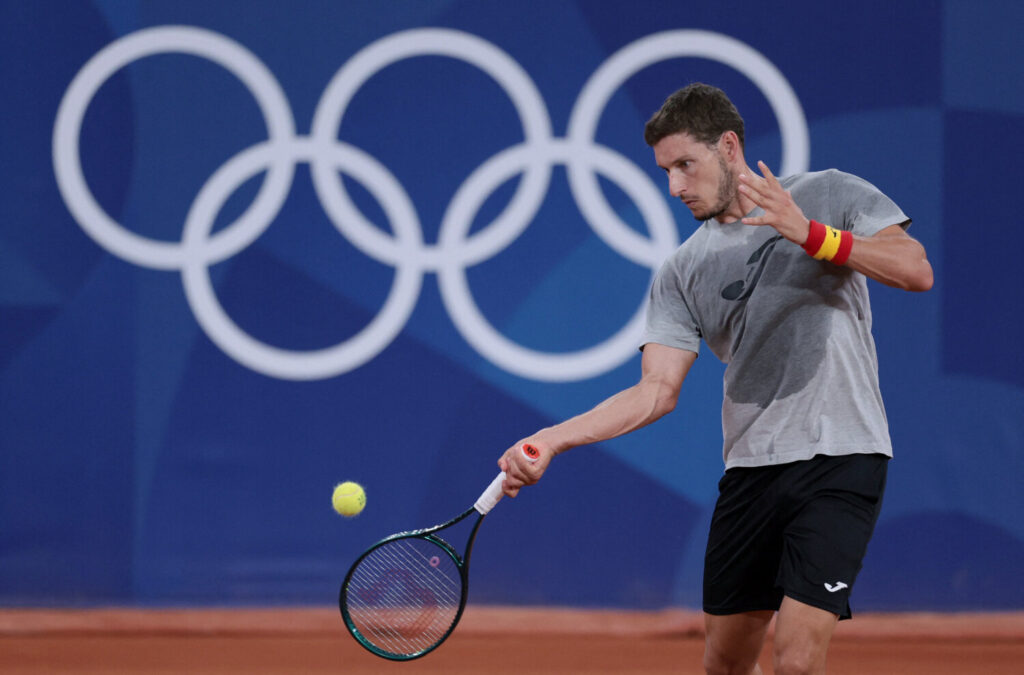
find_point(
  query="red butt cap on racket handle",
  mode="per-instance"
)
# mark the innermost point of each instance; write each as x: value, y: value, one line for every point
x: 530, y: 452
x: 493, y: 494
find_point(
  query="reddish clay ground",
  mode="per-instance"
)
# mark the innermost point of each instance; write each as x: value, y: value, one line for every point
x: 490, y: 640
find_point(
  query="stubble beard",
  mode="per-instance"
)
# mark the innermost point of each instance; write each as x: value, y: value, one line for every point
x: 726, y: 193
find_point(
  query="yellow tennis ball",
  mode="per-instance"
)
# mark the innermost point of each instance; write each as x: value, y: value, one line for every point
x: 349, y: 498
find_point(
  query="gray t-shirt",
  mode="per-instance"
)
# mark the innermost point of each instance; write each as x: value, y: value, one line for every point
x: 801, y: 375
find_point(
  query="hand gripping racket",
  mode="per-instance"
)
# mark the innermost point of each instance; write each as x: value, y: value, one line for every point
x: 404, y: 596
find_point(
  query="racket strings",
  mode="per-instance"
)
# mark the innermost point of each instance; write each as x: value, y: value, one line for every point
x: 404, y: 596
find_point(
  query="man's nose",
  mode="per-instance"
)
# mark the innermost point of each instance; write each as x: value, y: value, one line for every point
x: 676, y: 184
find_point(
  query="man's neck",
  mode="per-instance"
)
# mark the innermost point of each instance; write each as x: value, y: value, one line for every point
x: 741, y: 205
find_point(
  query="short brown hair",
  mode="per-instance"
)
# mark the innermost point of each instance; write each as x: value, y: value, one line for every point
x: 700, y: 110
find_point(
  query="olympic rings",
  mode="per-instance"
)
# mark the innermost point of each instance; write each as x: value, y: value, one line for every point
x: 404, y: 247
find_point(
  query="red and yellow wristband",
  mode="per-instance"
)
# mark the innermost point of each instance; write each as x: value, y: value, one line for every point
x: 827, y: 243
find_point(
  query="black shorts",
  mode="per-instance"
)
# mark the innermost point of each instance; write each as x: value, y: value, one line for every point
x: 797, y: 530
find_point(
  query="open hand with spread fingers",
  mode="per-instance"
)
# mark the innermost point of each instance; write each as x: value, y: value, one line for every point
x: 780, y: 211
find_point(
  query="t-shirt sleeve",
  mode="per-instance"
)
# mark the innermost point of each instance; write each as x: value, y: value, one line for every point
x: 860, y: 207
x: 669, y: 319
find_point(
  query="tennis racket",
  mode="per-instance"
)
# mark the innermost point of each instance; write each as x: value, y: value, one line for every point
x: 404, y: 596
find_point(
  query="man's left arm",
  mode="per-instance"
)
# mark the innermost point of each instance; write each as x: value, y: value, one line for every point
x: 890, y: 256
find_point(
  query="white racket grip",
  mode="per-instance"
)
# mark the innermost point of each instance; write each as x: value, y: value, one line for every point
x: 491, y: 496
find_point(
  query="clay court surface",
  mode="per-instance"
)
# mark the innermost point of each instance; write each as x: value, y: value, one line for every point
x: 489, y: 640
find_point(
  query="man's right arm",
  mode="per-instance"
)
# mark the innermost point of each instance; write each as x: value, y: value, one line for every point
x: 663, y: 370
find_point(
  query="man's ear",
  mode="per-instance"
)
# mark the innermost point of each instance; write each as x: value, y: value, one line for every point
x: 729, y: 145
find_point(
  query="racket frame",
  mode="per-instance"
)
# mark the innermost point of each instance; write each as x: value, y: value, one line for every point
x: 461, y: 564
x: 487, y: 500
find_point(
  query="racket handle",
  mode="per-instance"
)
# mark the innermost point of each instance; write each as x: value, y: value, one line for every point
x: 493, y: 494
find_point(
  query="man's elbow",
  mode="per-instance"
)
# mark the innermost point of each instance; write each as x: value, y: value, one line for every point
x: 921, y: 278
x: 925, y: 283
x: 917, y: 275
x: 665, y: 401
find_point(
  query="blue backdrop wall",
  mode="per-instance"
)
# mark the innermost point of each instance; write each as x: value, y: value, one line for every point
x: 251, y: 249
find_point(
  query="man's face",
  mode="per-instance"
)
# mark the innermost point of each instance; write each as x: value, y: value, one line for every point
x: 697, y: 174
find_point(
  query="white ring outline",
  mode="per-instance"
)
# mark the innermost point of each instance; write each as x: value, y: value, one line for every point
x: 501, y: 67
x: 458, y: 300
x: 626, y: 62
x: 114, y: 237
x: 293, y: 364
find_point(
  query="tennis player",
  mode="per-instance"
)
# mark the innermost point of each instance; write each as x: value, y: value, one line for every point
x: 774, y: 282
